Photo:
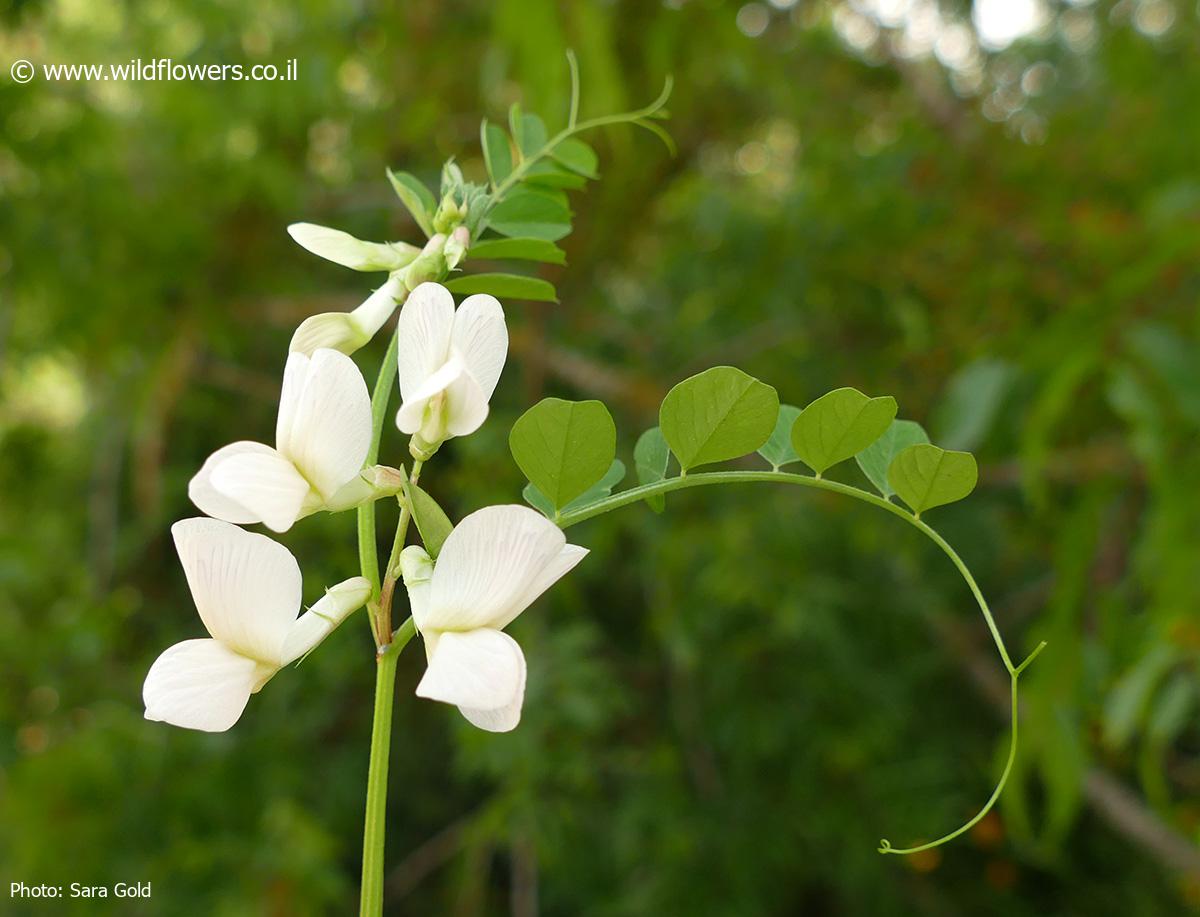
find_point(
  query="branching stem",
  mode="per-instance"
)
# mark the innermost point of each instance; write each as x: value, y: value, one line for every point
x: 637, y: 494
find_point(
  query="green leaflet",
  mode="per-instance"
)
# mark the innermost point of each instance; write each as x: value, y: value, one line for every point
x: 532, y: 214
x: 416, y: 197
x: 549, y: 174
x: 838, y: 425
x: 598, y: 491
x: 720, y: 414
x: 528, y: 131
x: 497, y: 154
x: 925, y: 476
x: 650, y: 456
x: 564, y: 447
x: 877, y: 457
x: 968, y: 409
x: 433, y: 524
x: 778, y: 449
x: 504, y: 286
x: 578, y: 157
x: 519, y: 249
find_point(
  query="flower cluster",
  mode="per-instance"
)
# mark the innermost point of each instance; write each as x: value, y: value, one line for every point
x: 247, y: 587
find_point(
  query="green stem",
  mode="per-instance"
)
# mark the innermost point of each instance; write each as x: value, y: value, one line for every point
x: 778, y: 477
x: 392, y: 569
x: 577, y: 128
x: 391, y: 573
x: 371, y: 902
x: 368, y: 552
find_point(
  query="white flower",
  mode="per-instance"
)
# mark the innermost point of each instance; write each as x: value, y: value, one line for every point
x: 342, y: 248
x: 348, y: 331
x: 492, y: 567
x: 449, y: 362
x: 247, y: 590
x: 322, y: 438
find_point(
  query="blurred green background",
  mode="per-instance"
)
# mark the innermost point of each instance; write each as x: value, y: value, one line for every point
x: 992, y: 213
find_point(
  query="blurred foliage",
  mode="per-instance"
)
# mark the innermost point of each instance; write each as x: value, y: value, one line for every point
x: 730, y: 702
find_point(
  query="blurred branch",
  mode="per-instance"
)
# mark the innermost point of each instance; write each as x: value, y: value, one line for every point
x: 439, y: 849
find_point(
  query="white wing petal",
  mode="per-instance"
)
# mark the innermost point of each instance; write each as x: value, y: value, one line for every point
x: 466, y: 406
x: 330, y: 432
x: 424, y: 331
x: 319, y: 621
x: 482, y: 672
x: 265, y: 483
x: 200, y: 684
x: 245, y: 586
x: 411, y: 415
x: 211, y: 501
x: 488, y: 566
x: 481, y: 337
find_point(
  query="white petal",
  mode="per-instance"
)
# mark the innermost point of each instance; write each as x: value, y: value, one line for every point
x: 245, y: 586
x: 200, y: 684
x: 211, y: 501
x: 559, y: 566
x: 379, y: 306
x: 330, y: 432
x: 489, y: 565
x: 266, y: 484
x: 334, y: 330
x: 481, y: 337
x: 481, y: 671
x: 412, y: 411
x: 417, y: 570
x: 295, y: 374
x: 319, y: 621
x: 342, y: 248
x: 466, y: 406
x: 424, y: 331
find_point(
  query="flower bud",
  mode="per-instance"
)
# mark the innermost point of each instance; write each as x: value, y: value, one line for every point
x: 456, y: 247
x: 415, y: 566
x: 344, y: 598
x: 342, y: 248
x: 347, y: 332
x: 450, y: 213
x: 429, y: 265
x: 375, y: 482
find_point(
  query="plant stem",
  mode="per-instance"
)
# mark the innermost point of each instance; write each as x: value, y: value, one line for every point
x: 368, y: 552
x: 573, y: 128
x: 371, y: 902
x: 391, y: 572
x: 635, y: 494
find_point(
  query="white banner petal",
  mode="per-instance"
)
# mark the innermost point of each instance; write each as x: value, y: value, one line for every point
x: 488, y: 564
x: 295, y: 374
x: 246, y: 587
x: 424, y: 331
x: 330, y: 432
x: 559, y: 566
x: 481, y: 337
